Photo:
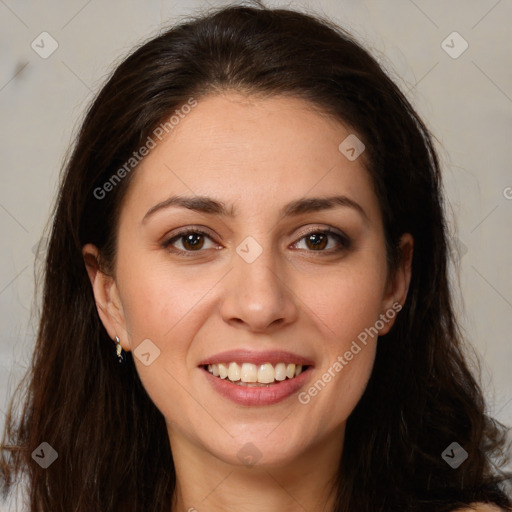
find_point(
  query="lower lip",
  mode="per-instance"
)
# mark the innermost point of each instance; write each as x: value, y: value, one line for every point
x: 244, y: 395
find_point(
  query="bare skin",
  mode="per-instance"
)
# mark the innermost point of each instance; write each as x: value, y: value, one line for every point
x: 255, y: 155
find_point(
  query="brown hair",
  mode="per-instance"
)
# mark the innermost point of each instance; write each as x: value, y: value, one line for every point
x: 112, y: 442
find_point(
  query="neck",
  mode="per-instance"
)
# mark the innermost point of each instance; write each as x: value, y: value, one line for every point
x: 206, y: 483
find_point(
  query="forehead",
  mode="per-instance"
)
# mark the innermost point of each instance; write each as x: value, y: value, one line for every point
x: 245, y: 149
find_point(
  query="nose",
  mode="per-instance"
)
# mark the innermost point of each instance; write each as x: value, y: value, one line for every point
x: 258, y: 295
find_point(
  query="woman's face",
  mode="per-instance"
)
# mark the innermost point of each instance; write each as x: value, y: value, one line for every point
x: 265, y: 277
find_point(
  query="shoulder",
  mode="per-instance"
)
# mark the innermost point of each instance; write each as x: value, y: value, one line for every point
x: 480, y: 507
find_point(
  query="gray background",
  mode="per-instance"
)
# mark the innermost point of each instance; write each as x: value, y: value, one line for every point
x: 466, y: 102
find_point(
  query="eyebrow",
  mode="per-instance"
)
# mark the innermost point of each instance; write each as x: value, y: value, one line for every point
x: 204, y: 204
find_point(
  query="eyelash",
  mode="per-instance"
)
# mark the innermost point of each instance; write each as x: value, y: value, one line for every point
x: 342, y: 239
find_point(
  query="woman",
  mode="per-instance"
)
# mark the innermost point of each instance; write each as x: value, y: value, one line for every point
x: 253, y: 212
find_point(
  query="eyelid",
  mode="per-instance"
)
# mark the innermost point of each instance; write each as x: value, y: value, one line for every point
x: 194, y: 228
x: 324, y: 229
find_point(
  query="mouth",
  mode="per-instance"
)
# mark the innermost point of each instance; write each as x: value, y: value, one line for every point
x: 256, y: 375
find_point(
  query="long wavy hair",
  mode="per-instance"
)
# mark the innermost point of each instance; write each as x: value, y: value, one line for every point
x: 112, y: 442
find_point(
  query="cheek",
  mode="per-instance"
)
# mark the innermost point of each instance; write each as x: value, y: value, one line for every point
x: 163, y: 308
x: 347, y: 307
x: 347, y: 310
x: 347, y: 301
x: 334, y: 394
x: 155, y: 299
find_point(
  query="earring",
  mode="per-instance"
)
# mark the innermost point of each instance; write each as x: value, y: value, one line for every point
x: 119, y: 351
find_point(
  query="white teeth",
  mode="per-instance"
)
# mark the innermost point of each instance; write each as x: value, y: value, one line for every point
x: 251, y: 373
x: 280, y: 371
x: 223, y: 371
x: 233, y: 372
x: 266, y: 373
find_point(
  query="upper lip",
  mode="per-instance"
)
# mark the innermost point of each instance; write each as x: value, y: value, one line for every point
x: 250, y: 356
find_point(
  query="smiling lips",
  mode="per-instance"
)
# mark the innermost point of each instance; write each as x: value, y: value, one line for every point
x: 250, y: 367
x: 248, y: 377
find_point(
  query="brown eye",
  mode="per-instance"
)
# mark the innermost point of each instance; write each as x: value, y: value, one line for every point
x: 317, y: 241
x: 191, y: 241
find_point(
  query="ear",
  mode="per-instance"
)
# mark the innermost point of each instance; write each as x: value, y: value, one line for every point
x: 106, y: 296
x: 398, y: 284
